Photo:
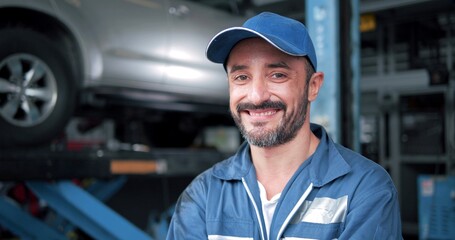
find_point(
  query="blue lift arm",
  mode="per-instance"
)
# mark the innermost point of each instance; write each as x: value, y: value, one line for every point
x: 23, y: 224
x: 86, y: 211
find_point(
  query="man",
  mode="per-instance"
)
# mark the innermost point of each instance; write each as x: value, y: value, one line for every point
x: 289, y: 180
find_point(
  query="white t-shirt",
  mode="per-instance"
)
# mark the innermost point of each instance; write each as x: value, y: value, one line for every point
x: 268, y: 207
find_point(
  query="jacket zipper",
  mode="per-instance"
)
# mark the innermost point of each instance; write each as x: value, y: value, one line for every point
x: 255, y: 207
x: 296, y: 207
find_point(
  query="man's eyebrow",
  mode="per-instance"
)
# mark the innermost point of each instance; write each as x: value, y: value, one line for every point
x: 271, y: 65
x: 237, y: 67
x: 278, y: 65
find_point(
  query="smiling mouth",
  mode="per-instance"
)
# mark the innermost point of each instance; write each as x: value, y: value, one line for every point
x: 264, y: 111
x: 260, y: 113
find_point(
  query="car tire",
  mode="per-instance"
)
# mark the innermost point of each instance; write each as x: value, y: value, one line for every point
x: 37, y: 90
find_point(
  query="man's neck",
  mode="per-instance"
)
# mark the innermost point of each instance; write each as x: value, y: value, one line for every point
x: 276, y: 165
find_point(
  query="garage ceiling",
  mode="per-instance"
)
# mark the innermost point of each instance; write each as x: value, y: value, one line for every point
x: 296, y: 8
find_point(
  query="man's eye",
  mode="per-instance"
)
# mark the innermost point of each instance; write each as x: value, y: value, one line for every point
x: 278, y: 75
x: 241, y: 78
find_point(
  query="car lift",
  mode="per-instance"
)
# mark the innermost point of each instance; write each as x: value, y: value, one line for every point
x: 48, y: 175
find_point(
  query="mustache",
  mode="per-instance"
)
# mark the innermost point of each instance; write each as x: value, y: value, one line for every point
x: 263, y: 105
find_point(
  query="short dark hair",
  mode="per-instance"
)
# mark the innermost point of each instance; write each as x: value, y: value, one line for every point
x: 309, y: 69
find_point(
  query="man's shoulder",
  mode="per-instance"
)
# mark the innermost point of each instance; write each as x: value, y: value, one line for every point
x: 223, y: 169
x: 362, y: 166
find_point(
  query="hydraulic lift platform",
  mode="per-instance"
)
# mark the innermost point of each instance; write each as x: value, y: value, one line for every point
x: 48, y: 175
x: 99, y: 163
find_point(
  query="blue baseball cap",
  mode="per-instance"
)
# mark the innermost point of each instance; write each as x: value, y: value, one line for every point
x: 288, y: 35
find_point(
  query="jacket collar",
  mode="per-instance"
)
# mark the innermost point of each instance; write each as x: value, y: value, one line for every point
x: 235, y: 167
x: 325, y: 165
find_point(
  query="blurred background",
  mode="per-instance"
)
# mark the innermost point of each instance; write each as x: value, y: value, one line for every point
x: 109, y: 108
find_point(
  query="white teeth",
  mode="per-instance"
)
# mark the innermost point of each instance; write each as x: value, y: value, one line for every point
x: 262, y: 113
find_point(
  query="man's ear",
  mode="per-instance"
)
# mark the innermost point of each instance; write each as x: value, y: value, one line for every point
x: 315, y: 85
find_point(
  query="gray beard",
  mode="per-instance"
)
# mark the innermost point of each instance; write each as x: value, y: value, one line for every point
x: 286, y: 131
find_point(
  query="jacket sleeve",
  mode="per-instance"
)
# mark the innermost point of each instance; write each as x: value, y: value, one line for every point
x: 188, y: 220
x: 374, y: 215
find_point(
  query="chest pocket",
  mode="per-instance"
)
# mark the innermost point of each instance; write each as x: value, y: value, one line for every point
x: 306, y: 230
x: 319, y: 219
x: 227, y: 229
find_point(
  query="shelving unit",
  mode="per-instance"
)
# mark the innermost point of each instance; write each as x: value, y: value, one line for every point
x: 407, y: 100
x: 415, y: 136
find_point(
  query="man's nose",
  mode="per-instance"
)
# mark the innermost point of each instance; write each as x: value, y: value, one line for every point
x: 259, y: 91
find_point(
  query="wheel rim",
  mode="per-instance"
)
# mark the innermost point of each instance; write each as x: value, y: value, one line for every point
x: 28, y: 90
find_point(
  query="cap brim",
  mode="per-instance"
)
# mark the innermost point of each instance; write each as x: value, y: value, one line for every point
x: 221, y: 45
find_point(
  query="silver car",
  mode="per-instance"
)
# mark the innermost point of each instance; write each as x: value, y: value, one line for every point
x: 58, y: 56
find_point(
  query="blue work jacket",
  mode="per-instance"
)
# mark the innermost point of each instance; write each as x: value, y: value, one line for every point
x: 335, y: 194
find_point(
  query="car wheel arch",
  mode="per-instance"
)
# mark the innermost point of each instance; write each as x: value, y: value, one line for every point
x: 54, y: 29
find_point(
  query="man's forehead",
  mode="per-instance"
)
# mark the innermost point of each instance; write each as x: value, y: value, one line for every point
x: 246, y: 61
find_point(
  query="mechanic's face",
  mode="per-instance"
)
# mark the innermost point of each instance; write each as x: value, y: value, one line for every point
x: 268, y: 92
